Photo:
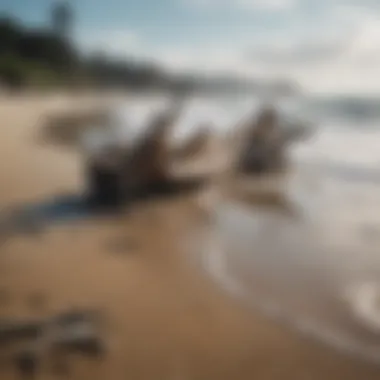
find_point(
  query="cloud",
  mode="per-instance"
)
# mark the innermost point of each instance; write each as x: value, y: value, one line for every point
x: 343, y: 56
x: 244, y: 5
x: 270, y: 5
x: 356, y: 68
x: 281, y: 4
x: 332, y: 47
x: 199, y: 59
x: 364, y: 46
x: 298, y: 52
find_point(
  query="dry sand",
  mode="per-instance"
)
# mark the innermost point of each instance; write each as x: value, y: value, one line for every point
x: 165, y: 319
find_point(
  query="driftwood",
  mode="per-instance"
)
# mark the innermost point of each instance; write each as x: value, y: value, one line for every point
x: 264, y: 143
x: 148, y: 161
x: 194, y: 146
x: 31, y: 342
x: 262, y: 150
x: 66, y: 128
x: 134, y: 168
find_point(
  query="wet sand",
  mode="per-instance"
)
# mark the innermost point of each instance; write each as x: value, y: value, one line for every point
x: 166, y: 318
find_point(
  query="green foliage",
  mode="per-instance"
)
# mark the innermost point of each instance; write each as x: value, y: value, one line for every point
x: 12, y: 71
x: 19, y: 73
x: 34, y: 57
x: 46, y: 57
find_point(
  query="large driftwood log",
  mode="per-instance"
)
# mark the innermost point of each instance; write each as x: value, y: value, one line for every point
x: 66, y: 128
x: 148, y: 161
x: 194, y: 146
x: 262, y: 150
x: 121, y: 172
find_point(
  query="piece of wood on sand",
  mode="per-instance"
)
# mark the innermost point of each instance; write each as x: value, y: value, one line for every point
x: 194, y: 146
x: 65, y: 128
x: 147, y: 163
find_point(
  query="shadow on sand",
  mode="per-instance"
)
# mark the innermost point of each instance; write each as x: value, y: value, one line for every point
x: 33, y: 218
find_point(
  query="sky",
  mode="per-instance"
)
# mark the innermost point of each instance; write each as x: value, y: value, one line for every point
x: 325, y: 45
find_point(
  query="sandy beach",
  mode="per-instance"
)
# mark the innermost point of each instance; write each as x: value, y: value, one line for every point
x: 165, y: 318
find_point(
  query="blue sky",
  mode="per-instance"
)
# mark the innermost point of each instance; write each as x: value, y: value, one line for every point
x: 320, y: 43
x: 164, y: 22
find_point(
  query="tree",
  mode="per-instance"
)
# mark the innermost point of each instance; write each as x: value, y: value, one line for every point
x: 62, y: 18
x: 10, y: 33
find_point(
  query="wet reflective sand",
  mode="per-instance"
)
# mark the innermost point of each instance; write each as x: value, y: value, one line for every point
x: 165, y: 316
x: 315, y: 268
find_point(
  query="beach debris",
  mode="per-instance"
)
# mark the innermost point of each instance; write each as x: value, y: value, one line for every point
x: 80, y: 338
x: 195, y: 145
x: 70, y: 332
x: 117, y: 173
x: 12, y: 331
x: 265, y: 141
x: 77, y: 331
x: 104, y: 185
x: 65, y: 128
x: 27, y: 361
x: 148, y: 161
x: 73, y: 317
x: 263, y: 149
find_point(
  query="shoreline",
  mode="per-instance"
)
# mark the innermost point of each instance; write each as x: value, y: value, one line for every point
x: 166, y: 318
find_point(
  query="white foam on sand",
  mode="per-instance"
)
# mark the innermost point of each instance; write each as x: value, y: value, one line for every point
x: 340, y: 145
x: 364, y: 299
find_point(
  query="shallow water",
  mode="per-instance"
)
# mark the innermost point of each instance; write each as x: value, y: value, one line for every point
x: 318, y: 269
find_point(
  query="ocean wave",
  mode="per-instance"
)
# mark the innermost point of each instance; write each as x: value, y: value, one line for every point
x: 364, y: 299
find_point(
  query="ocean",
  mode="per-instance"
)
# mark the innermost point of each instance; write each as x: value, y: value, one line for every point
x: 318, y: 271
